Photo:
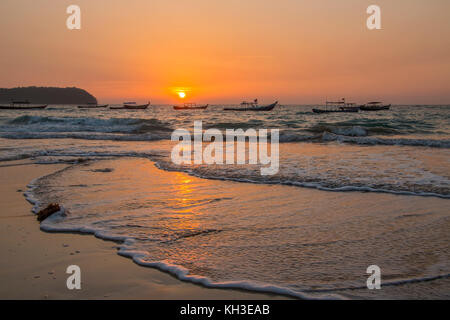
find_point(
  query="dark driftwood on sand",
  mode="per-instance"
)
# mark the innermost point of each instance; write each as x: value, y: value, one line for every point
x: 48, y: 211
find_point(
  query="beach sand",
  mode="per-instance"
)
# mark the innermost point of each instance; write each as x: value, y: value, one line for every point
x: 33, y: 263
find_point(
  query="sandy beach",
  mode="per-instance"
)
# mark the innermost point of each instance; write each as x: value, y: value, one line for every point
x: 34, y: 262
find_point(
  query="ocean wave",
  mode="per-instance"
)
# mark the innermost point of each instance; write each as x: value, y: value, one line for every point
x: 295, y: 137
x: 234, y: 125
x: 434, y: 143
x: 304, y: 182
x: 347, y: 131
x: 365, y: 127
x: 283, y: 138
x: 84, y: 136
x: 27, y: 123
x: 358, y: 136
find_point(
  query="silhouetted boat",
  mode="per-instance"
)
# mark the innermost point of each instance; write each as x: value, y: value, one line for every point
x: 337, y: 107
x: 92, y: 106
x: 131, y: 106
x: 334, y: 111
x: 190, y: 106
x: 22, y: 105
x: 253, y: 106
x: 374, y: 106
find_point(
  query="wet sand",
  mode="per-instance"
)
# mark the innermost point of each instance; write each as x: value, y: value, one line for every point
x: 33, y: 263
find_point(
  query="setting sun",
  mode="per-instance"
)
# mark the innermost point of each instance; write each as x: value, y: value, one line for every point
x: 182, y: 95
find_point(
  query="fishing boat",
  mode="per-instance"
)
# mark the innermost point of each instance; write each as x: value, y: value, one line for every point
x: 92, y: 105
x: 190, y: 106
x: 22, y: 105
x: 338, y: 106
x: 252, y: 106
x: 374, y: 106
x: 131, y: 106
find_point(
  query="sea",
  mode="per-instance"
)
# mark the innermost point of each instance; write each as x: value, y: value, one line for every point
x: 352, y: 190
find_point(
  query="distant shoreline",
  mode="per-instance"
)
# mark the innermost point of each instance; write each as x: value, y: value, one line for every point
x: 47, y: 95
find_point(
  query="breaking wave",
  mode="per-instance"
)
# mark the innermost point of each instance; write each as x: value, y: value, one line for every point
x: 434, y: 143
x: 38, y: 124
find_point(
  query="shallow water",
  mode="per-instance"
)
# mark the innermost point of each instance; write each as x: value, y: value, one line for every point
x: 303, y: 242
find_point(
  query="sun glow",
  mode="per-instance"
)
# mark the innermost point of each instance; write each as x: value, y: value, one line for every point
x: 181, y: 92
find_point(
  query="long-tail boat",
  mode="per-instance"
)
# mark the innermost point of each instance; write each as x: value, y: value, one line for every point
x: 22, y: 105
x: 253, y: 106
x: 131, y: 106
x: 337, y: 106
x: 190, y: 106
x: 92, y: 105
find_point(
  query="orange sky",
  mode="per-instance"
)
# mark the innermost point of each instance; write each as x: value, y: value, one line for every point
x: 227, y: 51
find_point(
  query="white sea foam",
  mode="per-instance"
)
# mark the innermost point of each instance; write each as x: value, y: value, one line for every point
x: 182, y: 273
x: 315, y: 185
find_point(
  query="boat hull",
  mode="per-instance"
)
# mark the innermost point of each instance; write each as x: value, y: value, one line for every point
x: 93, y: 106
x: 190, y: 108
x: 264, y: 108
x: 375, y: 108
x: 23, y: 108
x: 335, y: 111
x: 131, y: 107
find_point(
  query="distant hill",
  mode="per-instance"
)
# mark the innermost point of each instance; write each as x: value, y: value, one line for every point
x: 47, y: 95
